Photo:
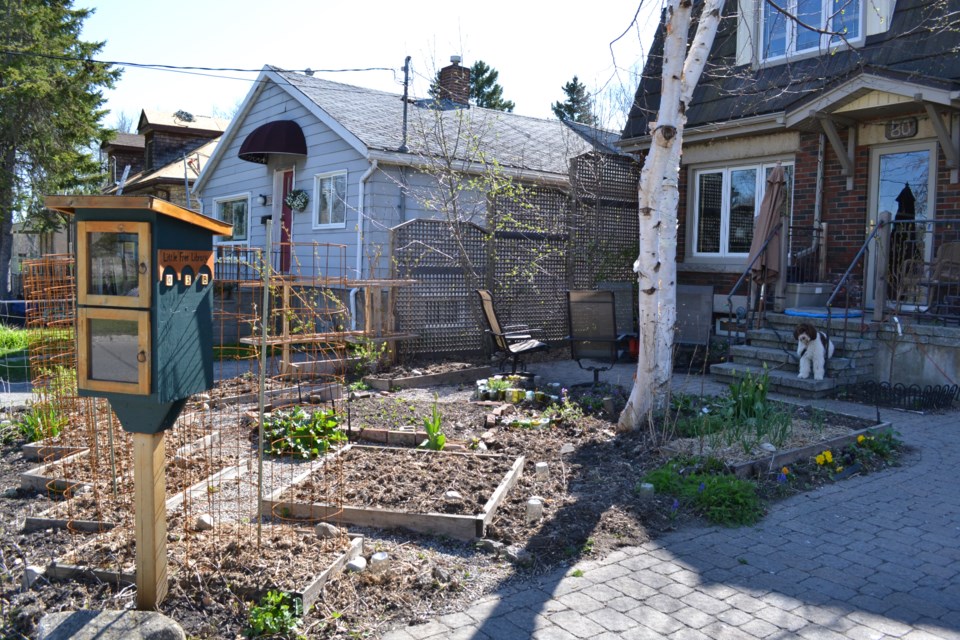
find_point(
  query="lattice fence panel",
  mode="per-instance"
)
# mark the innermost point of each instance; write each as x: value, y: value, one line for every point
x: 605, y: 224
x: 530, y: 267
x: 441, y: 308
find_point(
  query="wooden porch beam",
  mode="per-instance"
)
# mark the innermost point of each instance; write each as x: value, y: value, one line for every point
x: 844, y: 153
x: 950, y: 151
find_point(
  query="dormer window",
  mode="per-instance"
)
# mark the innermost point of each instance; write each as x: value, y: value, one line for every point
x: 799, y: 31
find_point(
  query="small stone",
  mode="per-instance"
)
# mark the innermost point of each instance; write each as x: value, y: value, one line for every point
x: 453, y: 496
x: 608, y: 406
x: 325, y: 530
x: 567, y: 448
x: 519, y: 556
x: 487, y: 435
x: 440, y: 575
x: 417, y: 372
x: 534, y: 509
x: 10, y: 492
x: 31, y: 574
x: 206, y: 600
x: 454, y: 447
x: 491, y: 546
x: 482, y: 446
x: 204, y: 522
x: 357, y: 565
x: 646, y: 490
x: 766, y: 446
x: 204, y: 397
x: 379, y: 561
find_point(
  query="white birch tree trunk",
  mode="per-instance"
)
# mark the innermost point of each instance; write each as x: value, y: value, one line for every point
x: 656, y: 266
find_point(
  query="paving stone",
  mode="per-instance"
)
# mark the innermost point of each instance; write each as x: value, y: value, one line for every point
x: 577, y: 624
x: 880, y: 623
x: 745, y: 602
x: 612, y: 620
x: 602, y: 592
x: 760, y: 628
x: 552, y: 633
x: 693, y: 618
x: 655, y: 620
x: 500, y: 627
x: 688, y: 634
x: 820, y: 633
x: 397, y: 634
x: 664, y: 604
x: 428, y: 630
x: 580, y: 602
x: 632, y: 588
x: 719, y: 630
x: 705, y: 603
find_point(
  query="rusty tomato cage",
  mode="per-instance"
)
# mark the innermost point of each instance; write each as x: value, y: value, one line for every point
x: 145, y: 270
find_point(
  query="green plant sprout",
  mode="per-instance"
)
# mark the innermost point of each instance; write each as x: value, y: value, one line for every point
x: 435, y: 439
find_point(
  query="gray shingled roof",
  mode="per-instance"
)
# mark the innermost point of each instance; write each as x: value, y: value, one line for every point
x: 515, y: 141
x: 916, y: 48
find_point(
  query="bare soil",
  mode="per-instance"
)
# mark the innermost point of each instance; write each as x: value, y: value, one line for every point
x: 589, y: 502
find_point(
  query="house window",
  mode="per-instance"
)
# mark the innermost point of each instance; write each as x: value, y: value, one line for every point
x: 799, y: 30
x: 330, y: 201
x: 726, y: 202
x: 234, y: 210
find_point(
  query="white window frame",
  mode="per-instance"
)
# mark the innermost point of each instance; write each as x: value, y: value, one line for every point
x: 216, y: 214
x: 694, y: 208
x: 825, y: 41
x: 315, y: 209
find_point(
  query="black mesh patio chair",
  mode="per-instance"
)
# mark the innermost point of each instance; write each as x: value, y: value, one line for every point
x: 593, y: 331
x: 512, y: 341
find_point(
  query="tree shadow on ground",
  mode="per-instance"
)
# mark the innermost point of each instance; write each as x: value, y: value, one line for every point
x: 876, y: 552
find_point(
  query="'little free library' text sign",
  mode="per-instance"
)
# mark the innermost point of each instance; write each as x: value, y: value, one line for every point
x: 178, y: 259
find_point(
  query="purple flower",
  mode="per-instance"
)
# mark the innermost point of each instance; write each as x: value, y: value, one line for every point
x: 781, y: 478
x: 675, y: 505
x: 701, y: 488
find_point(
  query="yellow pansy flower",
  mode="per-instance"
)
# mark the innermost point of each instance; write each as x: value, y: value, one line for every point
x: 861, y: 438
x: 820, y: 459
x: 828, y: 456
x: 785, y: 471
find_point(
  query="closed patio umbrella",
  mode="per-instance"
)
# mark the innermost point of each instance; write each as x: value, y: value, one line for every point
x: 766, y: 268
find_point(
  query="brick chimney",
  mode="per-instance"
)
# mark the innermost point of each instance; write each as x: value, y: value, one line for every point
x: 455, y: 82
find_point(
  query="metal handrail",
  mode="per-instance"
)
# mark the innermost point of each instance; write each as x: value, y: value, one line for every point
x: 746, y: 272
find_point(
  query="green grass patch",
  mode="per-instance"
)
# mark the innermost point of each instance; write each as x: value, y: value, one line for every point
x: 720, y: 497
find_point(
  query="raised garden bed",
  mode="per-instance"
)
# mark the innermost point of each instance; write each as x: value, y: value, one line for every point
x: 286, y: 560
x: 427, y: 378
x: 789, y: 456
x: 406, y: 488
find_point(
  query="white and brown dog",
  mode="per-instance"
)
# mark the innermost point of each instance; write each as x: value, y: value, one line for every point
x: 813, y: 349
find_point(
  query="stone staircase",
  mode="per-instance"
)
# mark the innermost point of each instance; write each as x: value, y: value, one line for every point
x: 775, y: 347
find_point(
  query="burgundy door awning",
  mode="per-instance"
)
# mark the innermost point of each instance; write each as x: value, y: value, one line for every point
x: 279, y: 137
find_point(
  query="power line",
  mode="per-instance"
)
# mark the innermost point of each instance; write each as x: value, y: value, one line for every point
x: 179, y: 68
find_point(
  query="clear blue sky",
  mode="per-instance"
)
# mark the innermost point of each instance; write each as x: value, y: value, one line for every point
x: 536, y: 46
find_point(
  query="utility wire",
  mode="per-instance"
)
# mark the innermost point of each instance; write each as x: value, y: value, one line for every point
x: 171, y: 67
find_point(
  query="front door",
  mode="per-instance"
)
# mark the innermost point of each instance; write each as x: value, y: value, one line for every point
x: 286, y: 218
x: 902, y: 182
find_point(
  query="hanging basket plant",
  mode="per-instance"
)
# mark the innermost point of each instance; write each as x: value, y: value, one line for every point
x: 297, y: 200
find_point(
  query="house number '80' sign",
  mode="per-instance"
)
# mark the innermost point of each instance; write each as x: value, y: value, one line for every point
x: 900, y: 129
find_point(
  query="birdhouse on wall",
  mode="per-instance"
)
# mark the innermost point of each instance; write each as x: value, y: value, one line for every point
x: 145, y: 270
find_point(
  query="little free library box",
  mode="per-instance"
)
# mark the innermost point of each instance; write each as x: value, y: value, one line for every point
x: 145, y: 270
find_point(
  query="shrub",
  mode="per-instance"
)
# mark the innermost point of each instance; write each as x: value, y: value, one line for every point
x: 278, y: 613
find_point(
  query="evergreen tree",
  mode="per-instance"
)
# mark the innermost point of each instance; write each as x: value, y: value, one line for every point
x: 51, y: 94
x: 577, y: 106
x: 485, y: 91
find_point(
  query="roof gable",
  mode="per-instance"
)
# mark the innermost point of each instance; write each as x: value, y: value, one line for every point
x: 372, y: 122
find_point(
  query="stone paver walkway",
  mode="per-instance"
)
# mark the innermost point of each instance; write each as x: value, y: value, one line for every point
x: 870, y: 558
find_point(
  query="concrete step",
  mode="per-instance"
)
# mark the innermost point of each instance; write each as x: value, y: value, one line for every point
x: 785, y: 382
x: 853, y: 327
x: 776, y: 358
x: 777, y: 337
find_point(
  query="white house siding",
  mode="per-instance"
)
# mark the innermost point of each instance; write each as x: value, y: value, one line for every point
x: 326, y: 152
